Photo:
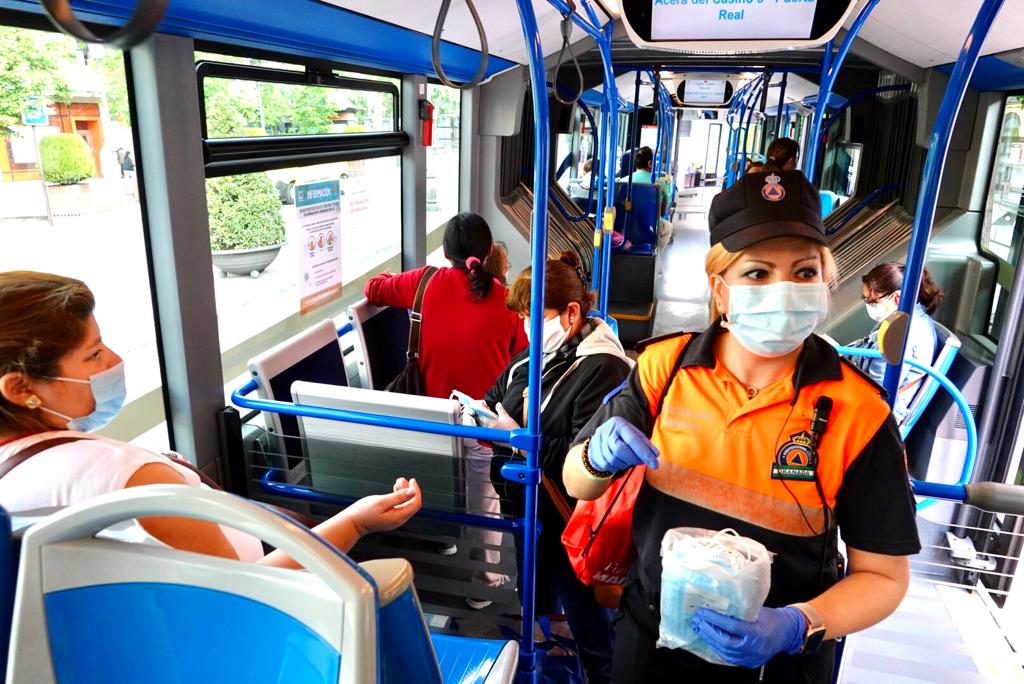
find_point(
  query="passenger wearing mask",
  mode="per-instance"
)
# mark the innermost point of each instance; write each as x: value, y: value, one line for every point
x: 468, y: 334
x: 583, y: 360
x: 783, y: 155
x: 757, y: 425
x: 881, y: 294
x: 59, y: 383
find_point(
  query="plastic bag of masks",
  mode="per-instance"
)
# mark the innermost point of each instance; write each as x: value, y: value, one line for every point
x: 718, y: 570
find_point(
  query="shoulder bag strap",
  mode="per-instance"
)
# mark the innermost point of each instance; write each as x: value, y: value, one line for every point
x: 416, y: 315
x: 561, y: 504
x: 31, y: 450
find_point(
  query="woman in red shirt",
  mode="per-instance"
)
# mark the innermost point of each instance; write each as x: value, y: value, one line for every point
x: 468, y: 335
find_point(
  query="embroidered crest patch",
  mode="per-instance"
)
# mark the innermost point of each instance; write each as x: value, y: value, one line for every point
x: 795, y: 459
x: 772, y: 190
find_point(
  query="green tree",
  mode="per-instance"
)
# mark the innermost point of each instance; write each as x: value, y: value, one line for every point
x: 29, y: 62
x: 111, y: 65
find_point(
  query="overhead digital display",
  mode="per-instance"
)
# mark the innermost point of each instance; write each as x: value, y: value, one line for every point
x: 732, y: 19
x: 702, y: 91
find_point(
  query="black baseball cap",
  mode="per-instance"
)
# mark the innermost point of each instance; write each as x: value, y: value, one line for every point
x: 761, y: 206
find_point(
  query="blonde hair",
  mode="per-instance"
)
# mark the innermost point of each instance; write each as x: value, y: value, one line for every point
x: 718, y: 261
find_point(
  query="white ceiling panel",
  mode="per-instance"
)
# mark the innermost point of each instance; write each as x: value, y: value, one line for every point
x: 499, y: 17
x: 931, y: 32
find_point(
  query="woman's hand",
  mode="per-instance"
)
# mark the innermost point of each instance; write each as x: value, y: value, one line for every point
x: 752, y: 644
x: 383, y: 512
x: 503, y: 422
x: 617, y: 444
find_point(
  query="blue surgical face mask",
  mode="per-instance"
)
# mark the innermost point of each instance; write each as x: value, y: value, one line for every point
x: 774, y: 320
x: 108, y: 391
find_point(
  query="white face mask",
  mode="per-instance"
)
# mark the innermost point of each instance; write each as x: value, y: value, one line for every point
x: 554, y: 334
x: 774, y: 320
x: 883, y: 308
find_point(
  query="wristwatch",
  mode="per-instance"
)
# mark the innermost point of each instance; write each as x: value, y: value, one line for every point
x: 815, y: 633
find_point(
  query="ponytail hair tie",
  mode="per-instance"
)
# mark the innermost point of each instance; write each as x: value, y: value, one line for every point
x: 470, y: 261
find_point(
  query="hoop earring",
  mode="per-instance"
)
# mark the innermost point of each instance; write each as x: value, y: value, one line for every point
x: 33, y: 402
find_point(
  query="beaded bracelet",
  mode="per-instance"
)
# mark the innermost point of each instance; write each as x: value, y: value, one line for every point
x: 589, y: 469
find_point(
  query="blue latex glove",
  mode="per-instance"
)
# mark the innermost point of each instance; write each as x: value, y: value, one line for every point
x: 752, y: 644
x: 617, y: 445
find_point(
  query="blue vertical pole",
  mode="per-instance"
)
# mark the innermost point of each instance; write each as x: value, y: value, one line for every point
x: 782, y: 105
x: 597, y: 176
x: 931, y: 178
x: 755, y: 92
x: 539, y: 231
x: 829, y: 71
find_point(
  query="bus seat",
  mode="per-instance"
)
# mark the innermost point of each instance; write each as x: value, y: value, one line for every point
x: 8, y: 578
x: 352, y: 460
x: 828, y: 202
x: 642, y: 229
x: 407, y: 656
x: 90, y: 609
x: 383, y: 335
x: 948, y: 346
x: 313, y: 355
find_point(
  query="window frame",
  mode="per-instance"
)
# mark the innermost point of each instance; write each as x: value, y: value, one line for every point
x: 1004, y: 269
x: 233, y: 156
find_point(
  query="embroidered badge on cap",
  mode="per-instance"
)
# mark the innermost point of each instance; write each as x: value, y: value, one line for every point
x: 795, y: 459
x: 772, y: 191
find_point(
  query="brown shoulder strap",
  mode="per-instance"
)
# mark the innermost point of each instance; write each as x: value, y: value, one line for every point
x: 416, y: 315
x: 31, y: 450
x: 203, y: 477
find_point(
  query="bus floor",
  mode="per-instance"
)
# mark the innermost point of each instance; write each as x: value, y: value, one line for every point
x: 939, y: 634
x: 682, y: 287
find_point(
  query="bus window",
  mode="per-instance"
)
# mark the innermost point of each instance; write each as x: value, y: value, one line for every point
x: 1003, y: 222
x: 66, y: 104
x: 442, y: 166
x: 270, y: 279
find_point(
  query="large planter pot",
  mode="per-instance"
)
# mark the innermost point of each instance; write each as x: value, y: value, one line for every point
x: 250, y: 262
x: 69, y: 200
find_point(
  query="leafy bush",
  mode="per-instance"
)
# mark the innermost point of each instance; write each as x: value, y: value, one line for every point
x: 66, y: 159
x: 245, y: 212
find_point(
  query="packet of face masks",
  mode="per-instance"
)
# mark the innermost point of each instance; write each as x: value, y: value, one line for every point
x: 718, y: 570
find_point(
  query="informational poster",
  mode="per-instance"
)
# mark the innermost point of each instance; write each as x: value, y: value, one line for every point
x: 731, y: 19
x: 318, y: 206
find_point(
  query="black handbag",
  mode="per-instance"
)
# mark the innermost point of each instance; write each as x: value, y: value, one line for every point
x: 410, y: 379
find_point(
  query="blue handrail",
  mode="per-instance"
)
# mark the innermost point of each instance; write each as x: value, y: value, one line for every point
x: 270, y: 483
x: 891, y: 187
x: 829, y: 72
x: 240, y: 398
x: 958, y: 398
x: 924, y: 215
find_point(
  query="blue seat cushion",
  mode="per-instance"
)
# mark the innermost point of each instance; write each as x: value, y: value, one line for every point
x: 464, y: 660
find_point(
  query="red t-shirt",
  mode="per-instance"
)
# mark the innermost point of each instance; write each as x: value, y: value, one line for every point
x: 465, y: 342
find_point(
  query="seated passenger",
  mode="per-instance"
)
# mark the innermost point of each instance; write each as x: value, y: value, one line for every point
x: 644, y: 163
x: 498, y: 264
x: 882, y: 297
x: 60, y: 381
x: 782, y: 155
x: 579, y: 190
x: 755, y: 164
x: 468, y: 334
x: 583, y: 361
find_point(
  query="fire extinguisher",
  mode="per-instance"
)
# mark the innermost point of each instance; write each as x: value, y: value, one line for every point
x: 427, y: 117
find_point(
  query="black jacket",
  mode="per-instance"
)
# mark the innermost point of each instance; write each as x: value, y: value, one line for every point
x: 600, y: 367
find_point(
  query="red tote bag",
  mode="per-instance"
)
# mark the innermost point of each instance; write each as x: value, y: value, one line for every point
x: 599, y: 535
